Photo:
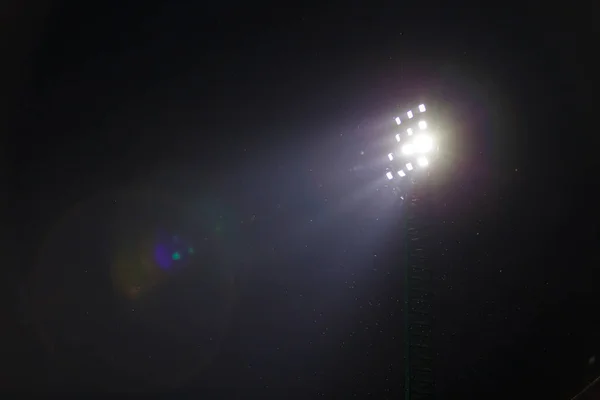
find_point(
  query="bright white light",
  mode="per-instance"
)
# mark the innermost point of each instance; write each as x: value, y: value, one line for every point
x: 397, y: 137
x: 398, y: 120
x: 391, y: 157
x: 408, y: 149
x: 401, y: 173
x: 422, y: 108
x: 423, y: 143
x: 422, y: 125
x: 409, y: 131
x: 410, y: 114
x: 423, y: 162
x: 389, y: 175
x: 409, y: 167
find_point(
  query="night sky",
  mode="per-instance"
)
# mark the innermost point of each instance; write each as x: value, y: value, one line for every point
x: 194, y: 198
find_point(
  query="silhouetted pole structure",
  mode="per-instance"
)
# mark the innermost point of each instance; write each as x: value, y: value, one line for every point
x: 419, y: 378
x: 413, y: 151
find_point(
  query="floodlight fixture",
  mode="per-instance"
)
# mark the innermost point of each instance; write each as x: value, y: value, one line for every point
x: 417, y: 145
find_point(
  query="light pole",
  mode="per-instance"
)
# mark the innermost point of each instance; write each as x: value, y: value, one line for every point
x: 415, y: 150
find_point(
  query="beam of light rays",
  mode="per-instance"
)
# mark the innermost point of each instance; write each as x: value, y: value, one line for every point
x: 347, y: 210
x: 332, y: 191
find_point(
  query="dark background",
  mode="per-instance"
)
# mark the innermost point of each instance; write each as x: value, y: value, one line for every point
x: 252, y: 128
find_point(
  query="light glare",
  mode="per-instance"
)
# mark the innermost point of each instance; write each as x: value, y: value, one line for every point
x: 391, y: 157
x: 408, y: 149
x: 409, y: 167
x: 401, y: 173
x: 422, y: 108
x: 397, y: 137
x: 423, y: 162
x: 409, y: 131
x: 423, y: 143
x: 422, y: 125
x: 389, y: 175
x: 398, y: 120
x: 410, y: 114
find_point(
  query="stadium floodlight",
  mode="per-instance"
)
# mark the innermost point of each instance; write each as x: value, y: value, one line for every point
x: 416, y: 141
x: 408, y: 149
x: 417, y: 149
x: 423, y: 161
